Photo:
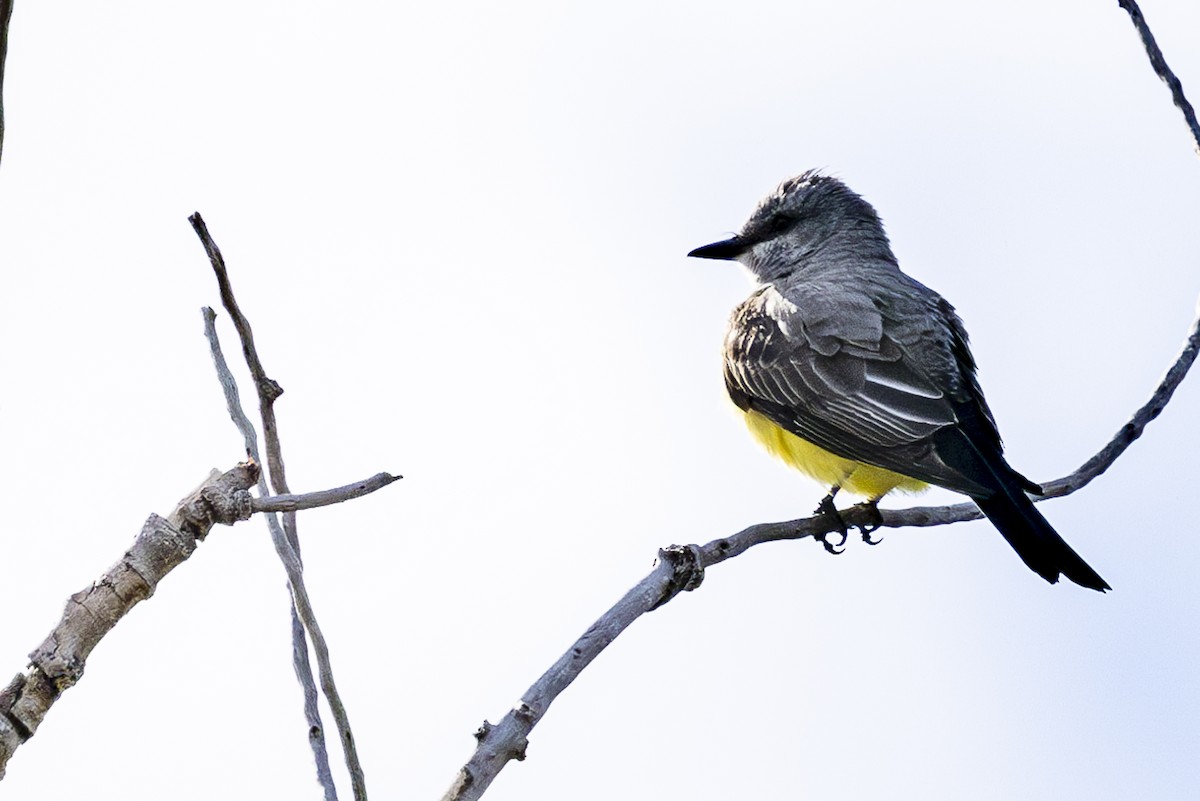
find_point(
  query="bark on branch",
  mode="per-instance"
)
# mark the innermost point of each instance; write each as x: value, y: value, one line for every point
x: 162, y: 545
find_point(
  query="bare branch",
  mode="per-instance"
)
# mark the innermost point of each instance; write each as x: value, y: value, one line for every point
x: 300, y: 663
x: 6, y: 7
x: 268, y: 389
x: 162, y: 545
x: 312, y: 500
x: 287, y: 544
x: 229, y: 387
x: 681, y: 568
x: 1162, y: 70
x: 1137, y: 424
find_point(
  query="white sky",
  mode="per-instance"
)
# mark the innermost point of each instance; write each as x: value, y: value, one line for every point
x: 459, y: 231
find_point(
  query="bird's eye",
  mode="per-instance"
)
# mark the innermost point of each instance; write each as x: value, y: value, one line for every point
x: 780, y: 223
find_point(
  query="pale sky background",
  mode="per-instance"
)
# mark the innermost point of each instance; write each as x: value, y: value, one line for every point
x: 459, y: 231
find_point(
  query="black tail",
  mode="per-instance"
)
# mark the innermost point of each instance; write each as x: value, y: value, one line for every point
x: 972, y: 448
x: 1034, y: 539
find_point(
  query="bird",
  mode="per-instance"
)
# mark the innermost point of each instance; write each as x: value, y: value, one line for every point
x: 861, y: 377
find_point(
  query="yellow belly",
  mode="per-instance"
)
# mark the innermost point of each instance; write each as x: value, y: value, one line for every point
x: 832, y: 471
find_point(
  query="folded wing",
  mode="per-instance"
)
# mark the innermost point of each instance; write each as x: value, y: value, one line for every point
x: 830, y: 366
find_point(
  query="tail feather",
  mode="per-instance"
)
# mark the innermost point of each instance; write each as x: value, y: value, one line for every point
x: 1035, y: 540
x: 972, y: 448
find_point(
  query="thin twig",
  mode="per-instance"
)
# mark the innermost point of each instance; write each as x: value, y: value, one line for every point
x: 681, y: 568
x: 6, y: 7
x: 1162, y: 70
x: 268, y: 391
x: 300, y: 662
x: 1137, y: 424
x: 312, y: 500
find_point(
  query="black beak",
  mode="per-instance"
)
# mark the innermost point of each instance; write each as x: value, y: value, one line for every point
x: 727, y: 249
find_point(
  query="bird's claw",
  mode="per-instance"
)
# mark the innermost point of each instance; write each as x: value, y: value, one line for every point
x: 876, y: 523
x: 826, y: 507
x: 829, y: 546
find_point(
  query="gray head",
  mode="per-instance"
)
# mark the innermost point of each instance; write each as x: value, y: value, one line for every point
x: 809, y: 216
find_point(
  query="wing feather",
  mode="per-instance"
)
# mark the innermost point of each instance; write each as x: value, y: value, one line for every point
x: 828, y: 365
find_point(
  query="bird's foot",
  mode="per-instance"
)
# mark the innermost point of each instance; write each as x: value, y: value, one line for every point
x: 871, y: 508
x: 826, y: 507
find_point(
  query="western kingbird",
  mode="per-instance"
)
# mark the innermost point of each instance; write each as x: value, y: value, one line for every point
x: 860, y: 376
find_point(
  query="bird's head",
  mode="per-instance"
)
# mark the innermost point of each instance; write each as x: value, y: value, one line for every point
x: 804, y: 216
